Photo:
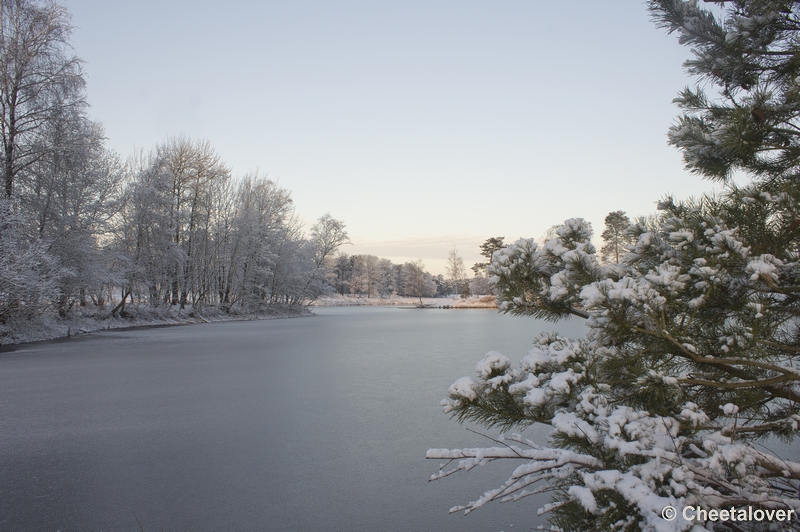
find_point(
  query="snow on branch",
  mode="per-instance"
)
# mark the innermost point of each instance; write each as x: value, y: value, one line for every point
x: 689, y: 363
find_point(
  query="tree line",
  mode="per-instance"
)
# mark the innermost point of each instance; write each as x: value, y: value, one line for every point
x: 372, y: 276
x: 81, y: 226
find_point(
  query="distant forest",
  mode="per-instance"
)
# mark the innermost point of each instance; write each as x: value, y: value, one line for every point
x: 371, y: 276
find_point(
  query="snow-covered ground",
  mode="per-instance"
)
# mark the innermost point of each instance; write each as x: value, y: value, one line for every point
x: 89, y: 319
x: 452, y: 302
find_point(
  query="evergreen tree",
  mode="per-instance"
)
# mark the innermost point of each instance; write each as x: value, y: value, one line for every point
x: 487, y: 250
x: 689, y: 364
x: 614, y: 237
x: 750, y: 122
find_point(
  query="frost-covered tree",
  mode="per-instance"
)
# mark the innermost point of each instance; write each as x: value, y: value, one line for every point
x: 143, y: 244
x: 416, y: 281
x: 267, y: 234
x: 195, y: 172
x: 70, y: 196
x: 342, y: 272
x: 39, y: 76
x: 64, y: 184
x: 327, y: 235
x: 615, y: 237
x: 187, y: 230
x: 386, y: 279
x: 364, y: 280
x: 371, y: 276
x: 29, y: 276
x: 688, y: 370
x: 479, y: 285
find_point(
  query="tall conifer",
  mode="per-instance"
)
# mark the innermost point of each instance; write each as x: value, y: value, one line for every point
x: 688, y: 371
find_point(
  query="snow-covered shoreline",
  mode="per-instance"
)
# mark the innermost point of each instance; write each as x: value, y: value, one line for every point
x: 92, y: 319
x: 97, y: 319
x: 397, y: 301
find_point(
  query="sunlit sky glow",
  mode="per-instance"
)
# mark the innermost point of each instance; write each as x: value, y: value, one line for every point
x: 421, y: 125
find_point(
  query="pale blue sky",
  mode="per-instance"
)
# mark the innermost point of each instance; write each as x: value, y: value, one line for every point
x: 421, y: 124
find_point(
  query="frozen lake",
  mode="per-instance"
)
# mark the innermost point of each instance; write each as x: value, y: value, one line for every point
x: 316, y: 423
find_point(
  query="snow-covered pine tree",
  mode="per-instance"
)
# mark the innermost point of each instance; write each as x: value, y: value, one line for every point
x: 689, y: 369
x: 748, y: 55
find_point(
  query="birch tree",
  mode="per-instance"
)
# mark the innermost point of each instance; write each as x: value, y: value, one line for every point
x: 39, y: 76
x: 455, y: 268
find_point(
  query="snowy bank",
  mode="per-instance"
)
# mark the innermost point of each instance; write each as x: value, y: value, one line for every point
x: 90, y: 319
